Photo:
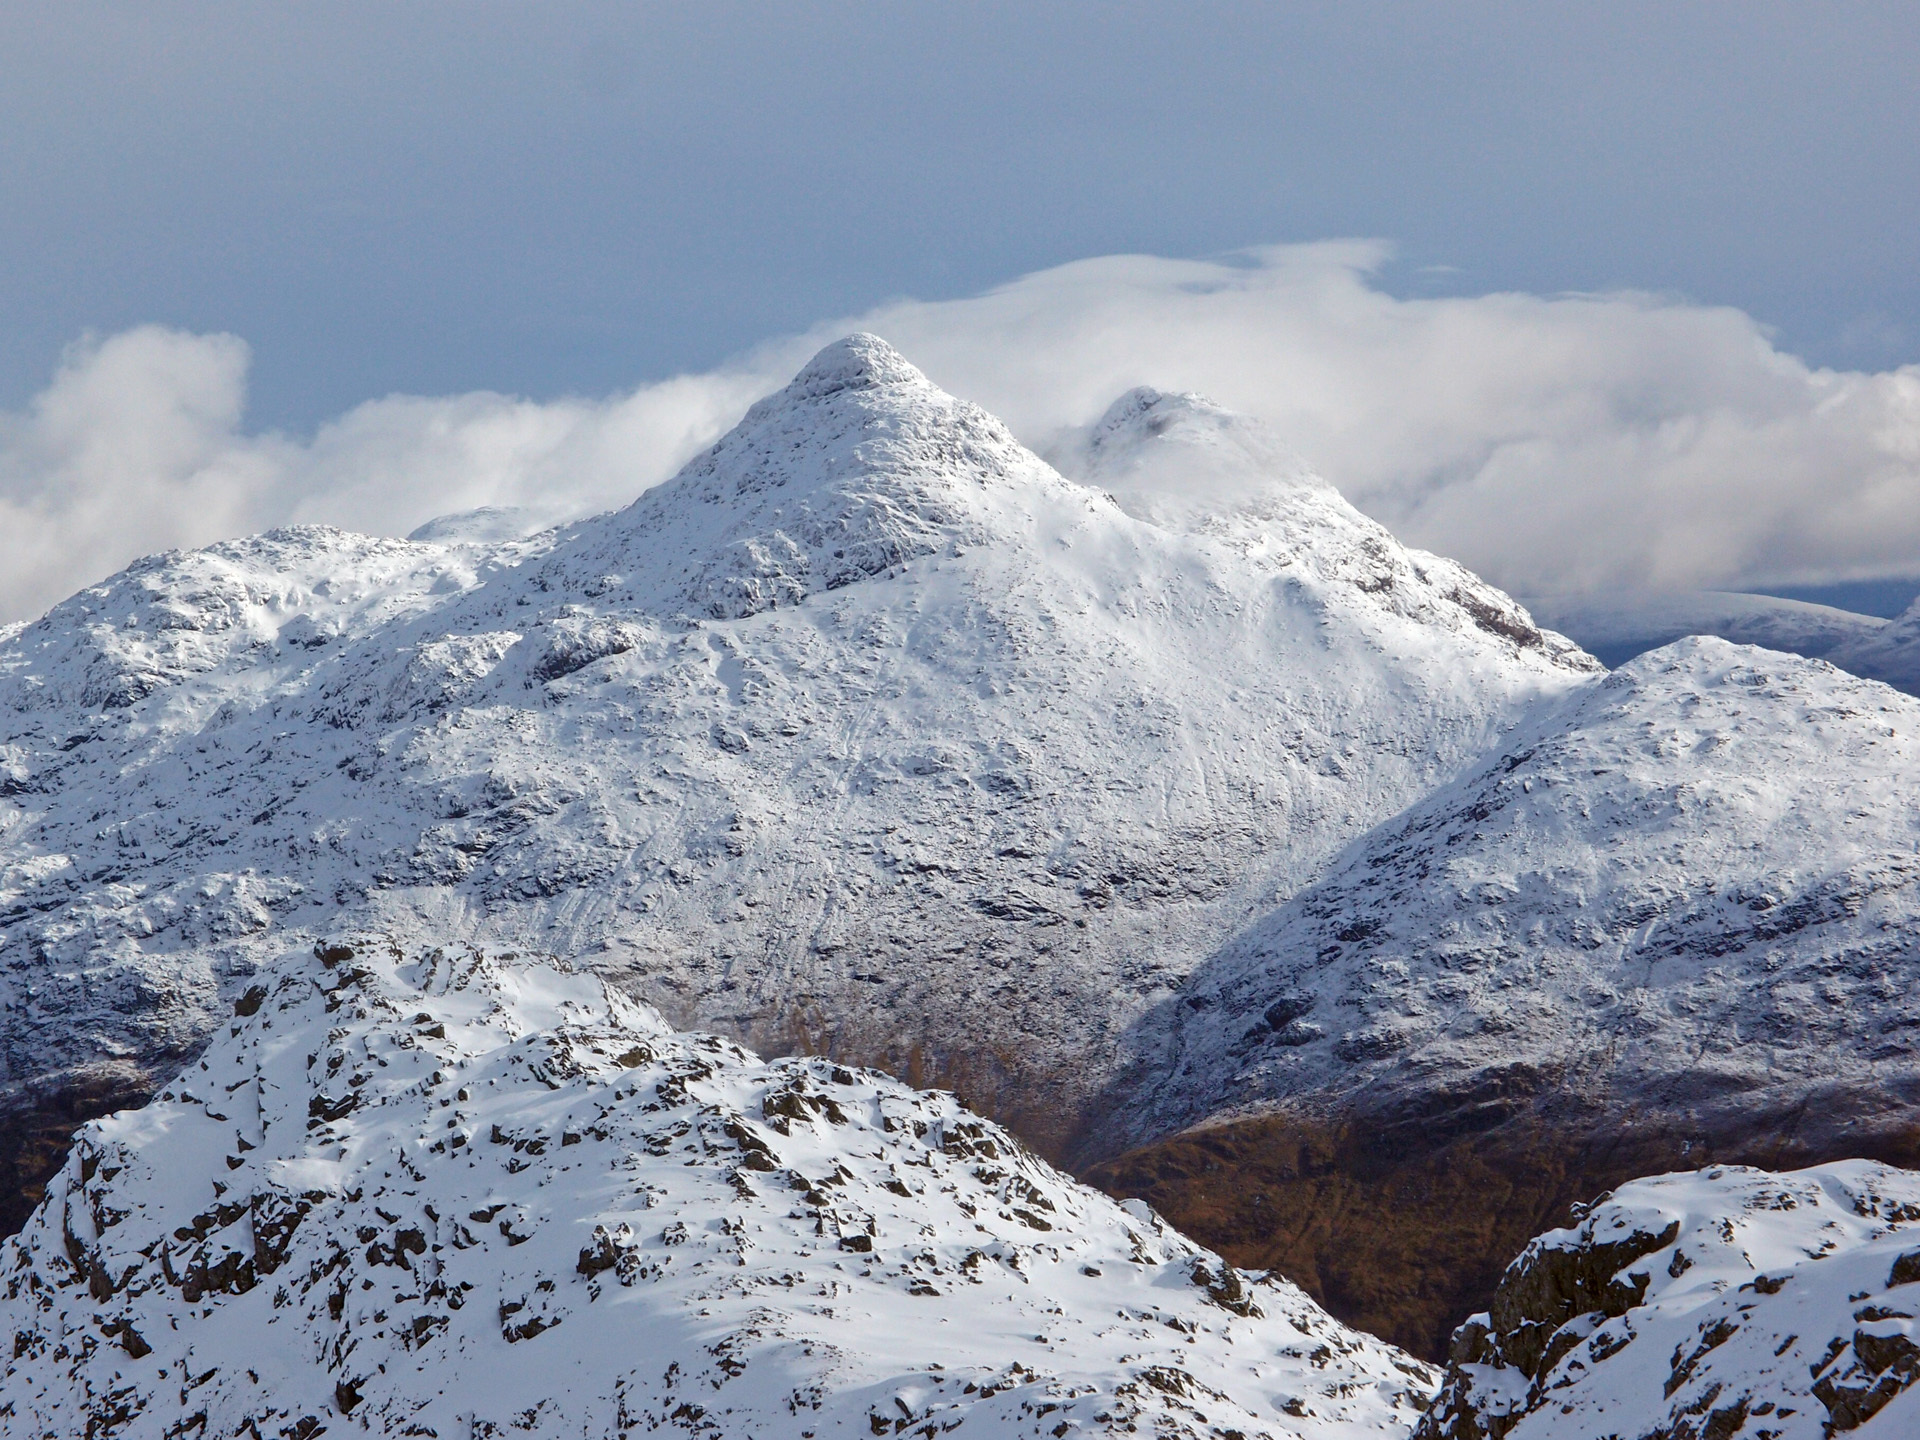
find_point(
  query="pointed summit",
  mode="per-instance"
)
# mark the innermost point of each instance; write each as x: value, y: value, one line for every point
x: 856, y: 468
x: 858, y: 362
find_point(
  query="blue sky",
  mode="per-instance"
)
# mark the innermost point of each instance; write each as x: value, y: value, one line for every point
x: 1587, y: 296
x: 573, y: 198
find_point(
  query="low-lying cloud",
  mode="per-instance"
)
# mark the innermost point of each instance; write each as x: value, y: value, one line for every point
x: 1555, y: 444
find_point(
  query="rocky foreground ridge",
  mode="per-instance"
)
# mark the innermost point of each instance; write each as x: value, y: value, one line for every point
x: 440, y: 1195
x: 1701, y: 1306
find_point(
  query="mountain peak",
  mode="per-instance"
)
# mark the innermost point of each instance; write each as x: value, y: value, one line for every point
x: 1145, y: 409
x: 855, y: 362
x: 856, y: 468
x: 1185, y: 462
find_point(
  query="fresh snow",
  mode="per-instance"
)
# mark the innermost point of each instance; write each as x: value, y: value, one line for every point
x: 1691, y: 888
x: 868, y: 733
x: 438, y: 1194
x: 1713, y: 1303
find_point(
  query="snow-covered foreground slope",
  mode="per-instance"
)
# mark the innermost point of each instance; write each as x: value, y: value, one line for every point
x: 454, y: 1196
x: 1690, y: 889
x: 869, y: 733
x: 1701, y: 1306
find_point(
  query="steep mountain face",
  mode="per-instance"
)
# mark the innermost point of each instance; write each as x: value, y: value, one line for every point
x: 1704, y: 1305
x: 1670, y: 920
x: 869, y: 734
x: 441, y: 1195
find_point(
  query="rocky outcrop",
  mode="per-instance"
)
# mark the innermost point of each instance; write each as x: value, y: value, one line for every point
x: 435, y: 1194
x: 1402, y: 1224
x: 36, y: 1128
x: 1700, y: 1306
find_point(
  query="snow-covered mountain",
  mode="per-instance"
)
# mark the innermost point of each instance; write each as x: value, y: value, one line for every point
x: 1705, y: 865
x: 1701, y: 1306
x: 1674, y: 917
x: 440, y: 1195
x: 1890, y: 653
x: 869, y: 734
x: 1618, y: 625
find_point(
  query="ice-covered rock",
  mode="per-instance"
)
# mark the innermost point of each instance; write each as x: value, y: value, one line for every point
x: 446, y: 1195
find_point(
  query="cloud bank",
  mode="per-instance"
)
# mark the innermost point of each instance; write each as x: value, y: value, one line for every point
x: 1555, y: 444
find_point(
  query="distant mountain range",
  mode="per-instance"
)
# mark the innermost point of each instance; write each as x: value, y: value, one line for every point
x: 1618, y: 625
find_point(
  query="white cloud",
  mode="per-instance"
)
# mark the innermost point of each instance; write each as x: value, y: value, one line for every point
x: 1552, y: 443
x: 138, y: 446
x: 130, y: 448
x: 1559, y: 444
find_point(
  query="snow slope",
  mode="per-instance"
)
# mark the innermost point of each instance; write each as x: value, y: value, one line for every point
x: 1712, y: 1303
x: 443, y: 1195
x: 1689, y: 890
x: 868, y: 733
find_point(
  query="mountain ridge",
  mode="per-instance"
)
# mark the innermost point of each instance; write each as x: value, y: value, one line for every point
x: 431, y: 1194
x: 1664, y: 923
x: 1069, y: 744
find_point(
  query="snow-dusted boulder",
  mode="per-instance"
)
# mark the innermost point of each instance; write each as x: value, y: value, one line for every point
x: 443, y: 1195
x: 1702, y: 1306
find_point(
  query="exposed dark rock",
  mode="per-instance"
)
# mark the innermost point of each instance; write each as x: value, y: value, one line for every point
x: 1405, y: 1227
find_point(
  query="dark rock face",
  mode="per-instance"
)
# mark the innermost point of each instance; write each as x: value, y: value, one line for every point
x: 37, y: 1130
x: 1404, y: 1226
x: 1686, y: 1305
